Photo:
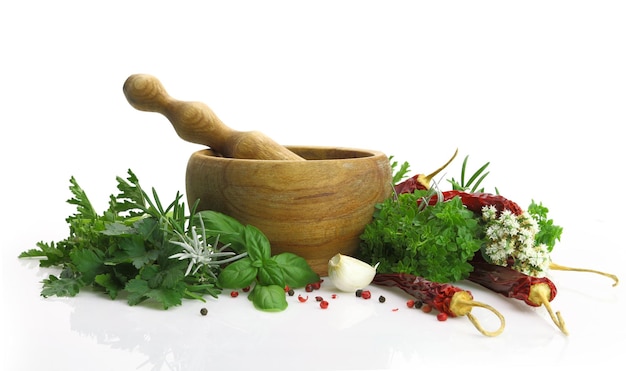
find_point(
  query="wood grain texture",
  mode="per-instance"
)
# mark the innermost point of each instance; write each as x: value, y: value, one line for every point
x: 315, y: 208
x: 197, y: 123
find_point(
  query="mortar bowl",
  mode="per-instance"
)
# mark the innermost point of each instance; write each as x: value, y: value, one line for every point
x: 315, y: 208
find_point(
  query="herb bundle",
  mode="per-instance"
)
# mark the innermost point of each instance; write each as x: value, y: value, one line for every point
x: 147, y: 251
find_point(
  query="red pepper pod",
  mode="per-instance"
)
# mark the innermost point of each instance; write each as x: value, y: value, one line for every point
x: 476, y: 201
x: 508, y: 282
x: 410, y: 185
x: 534, y: 291
x: 421, y: 181
x: 437, y: 295
x: 444, y: 297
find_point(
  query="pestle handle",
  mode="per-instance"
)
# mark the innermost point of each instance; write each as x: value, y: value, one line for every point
x: 195, y: 122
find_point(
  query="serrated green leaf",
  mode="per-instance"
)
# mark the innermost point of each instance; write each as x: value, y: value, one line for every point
x: 53, y: 286
x: 135, y: 250
x: 80, y: 199
x: 111, y: 286
x: 88, y: 262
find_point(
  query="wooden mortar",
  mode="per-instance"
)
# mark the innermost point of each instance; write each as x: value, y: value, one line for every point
x: 311, y: 201
x: 315, y: 208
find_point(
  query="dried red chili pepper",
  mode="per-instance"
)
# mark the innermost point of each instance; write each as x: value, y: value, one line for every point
x: 444, y: 297
x: 534, y: 291
x: 476, y: 201
x: 473, y: 201
x: 420, y: 181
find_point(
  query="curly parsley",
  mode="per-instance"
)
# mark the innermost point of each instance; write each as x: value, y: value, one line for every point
x: 435, y: 242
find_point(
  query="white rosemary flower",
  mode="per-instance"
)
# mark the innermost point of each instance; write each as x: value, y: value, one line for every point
x: 200, y: 253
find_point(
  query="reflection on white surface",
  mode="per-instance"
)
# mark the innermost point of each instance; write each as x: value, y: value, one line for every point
x: 352, y: 334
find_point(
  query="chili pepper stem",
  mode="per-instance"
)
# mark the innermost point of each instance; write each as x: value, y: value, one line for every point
x: 558, y: 267
x: 425, y: 179
x: 462, y: 303
x: 540, y: 295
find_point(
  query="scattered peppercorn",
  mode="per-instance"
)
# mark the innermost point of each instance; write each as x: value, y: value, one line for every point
x: 204, y: 311
x: 334, y: 296
x: 302, y: 299
x: 366, y: 294
x: 316, y: 285
x: 290, y: 292
x: 410, y: 303
x: 319, y: 298
x: 246, y: 289
x: 442, y: 316
x: 418, y: 304
x: 323, y: 304
x: 381, y: 299
x: 234, y: 294
x: 426, y: 308
x: 358, y: 293
x: 308, y: 287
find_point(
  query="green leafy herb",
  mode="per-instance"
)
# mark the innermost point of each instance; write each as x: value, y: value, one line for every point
x: 548, y: 232
x: 435, y: 242
x: 398, y: 174
x: 126, y: 248
x: 159, y: 253
x: 129, y: 248
x: 478, y: 176
x: 269, y: 274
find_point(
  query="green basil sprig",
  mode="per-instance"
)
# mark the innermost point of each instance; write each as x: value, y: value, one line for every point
x: 266, y: 274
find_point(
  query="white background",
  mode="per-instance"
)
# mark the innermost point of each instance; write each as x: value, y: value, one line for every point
x: 537, y: 88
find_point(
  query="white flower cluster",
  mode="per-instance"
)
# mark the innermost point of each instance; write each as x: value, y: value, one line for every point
x: 511, y: 242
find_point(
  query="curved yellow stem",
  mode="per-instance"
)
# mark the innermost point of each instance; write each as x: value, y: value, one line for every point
x: 425, y: 179
x: 558, y: 267
x: 540, y: 295
x: 462, y: 304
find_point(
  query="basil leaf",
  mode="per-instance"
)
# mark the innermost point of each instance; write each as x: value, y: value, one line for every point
x: 238, y: 274
x: 228, y: 228
x: 296, y: 270
x: 270, y: 273
x: 270, y: 298
x: 257, y: 244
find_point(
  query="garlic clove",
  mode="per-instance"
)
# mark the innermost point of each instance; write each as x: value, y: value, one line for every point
x: 349, y: 274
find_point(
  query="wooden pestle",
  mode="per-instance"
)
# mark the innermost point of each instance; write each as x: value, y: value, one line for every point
x: 195, y: 122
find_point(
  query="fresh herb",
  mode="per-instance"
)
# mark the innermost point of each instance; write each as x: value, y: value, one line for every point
x: 548, y: 232
x: 469, y: 186
x: 410, y: 234
x: 269, y: 274
x: 398, y: 174
x: 149, y: 251
x: 511, y: 242
x: 523, y: 241
x: 126, y: 248
x: 435, y: 242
